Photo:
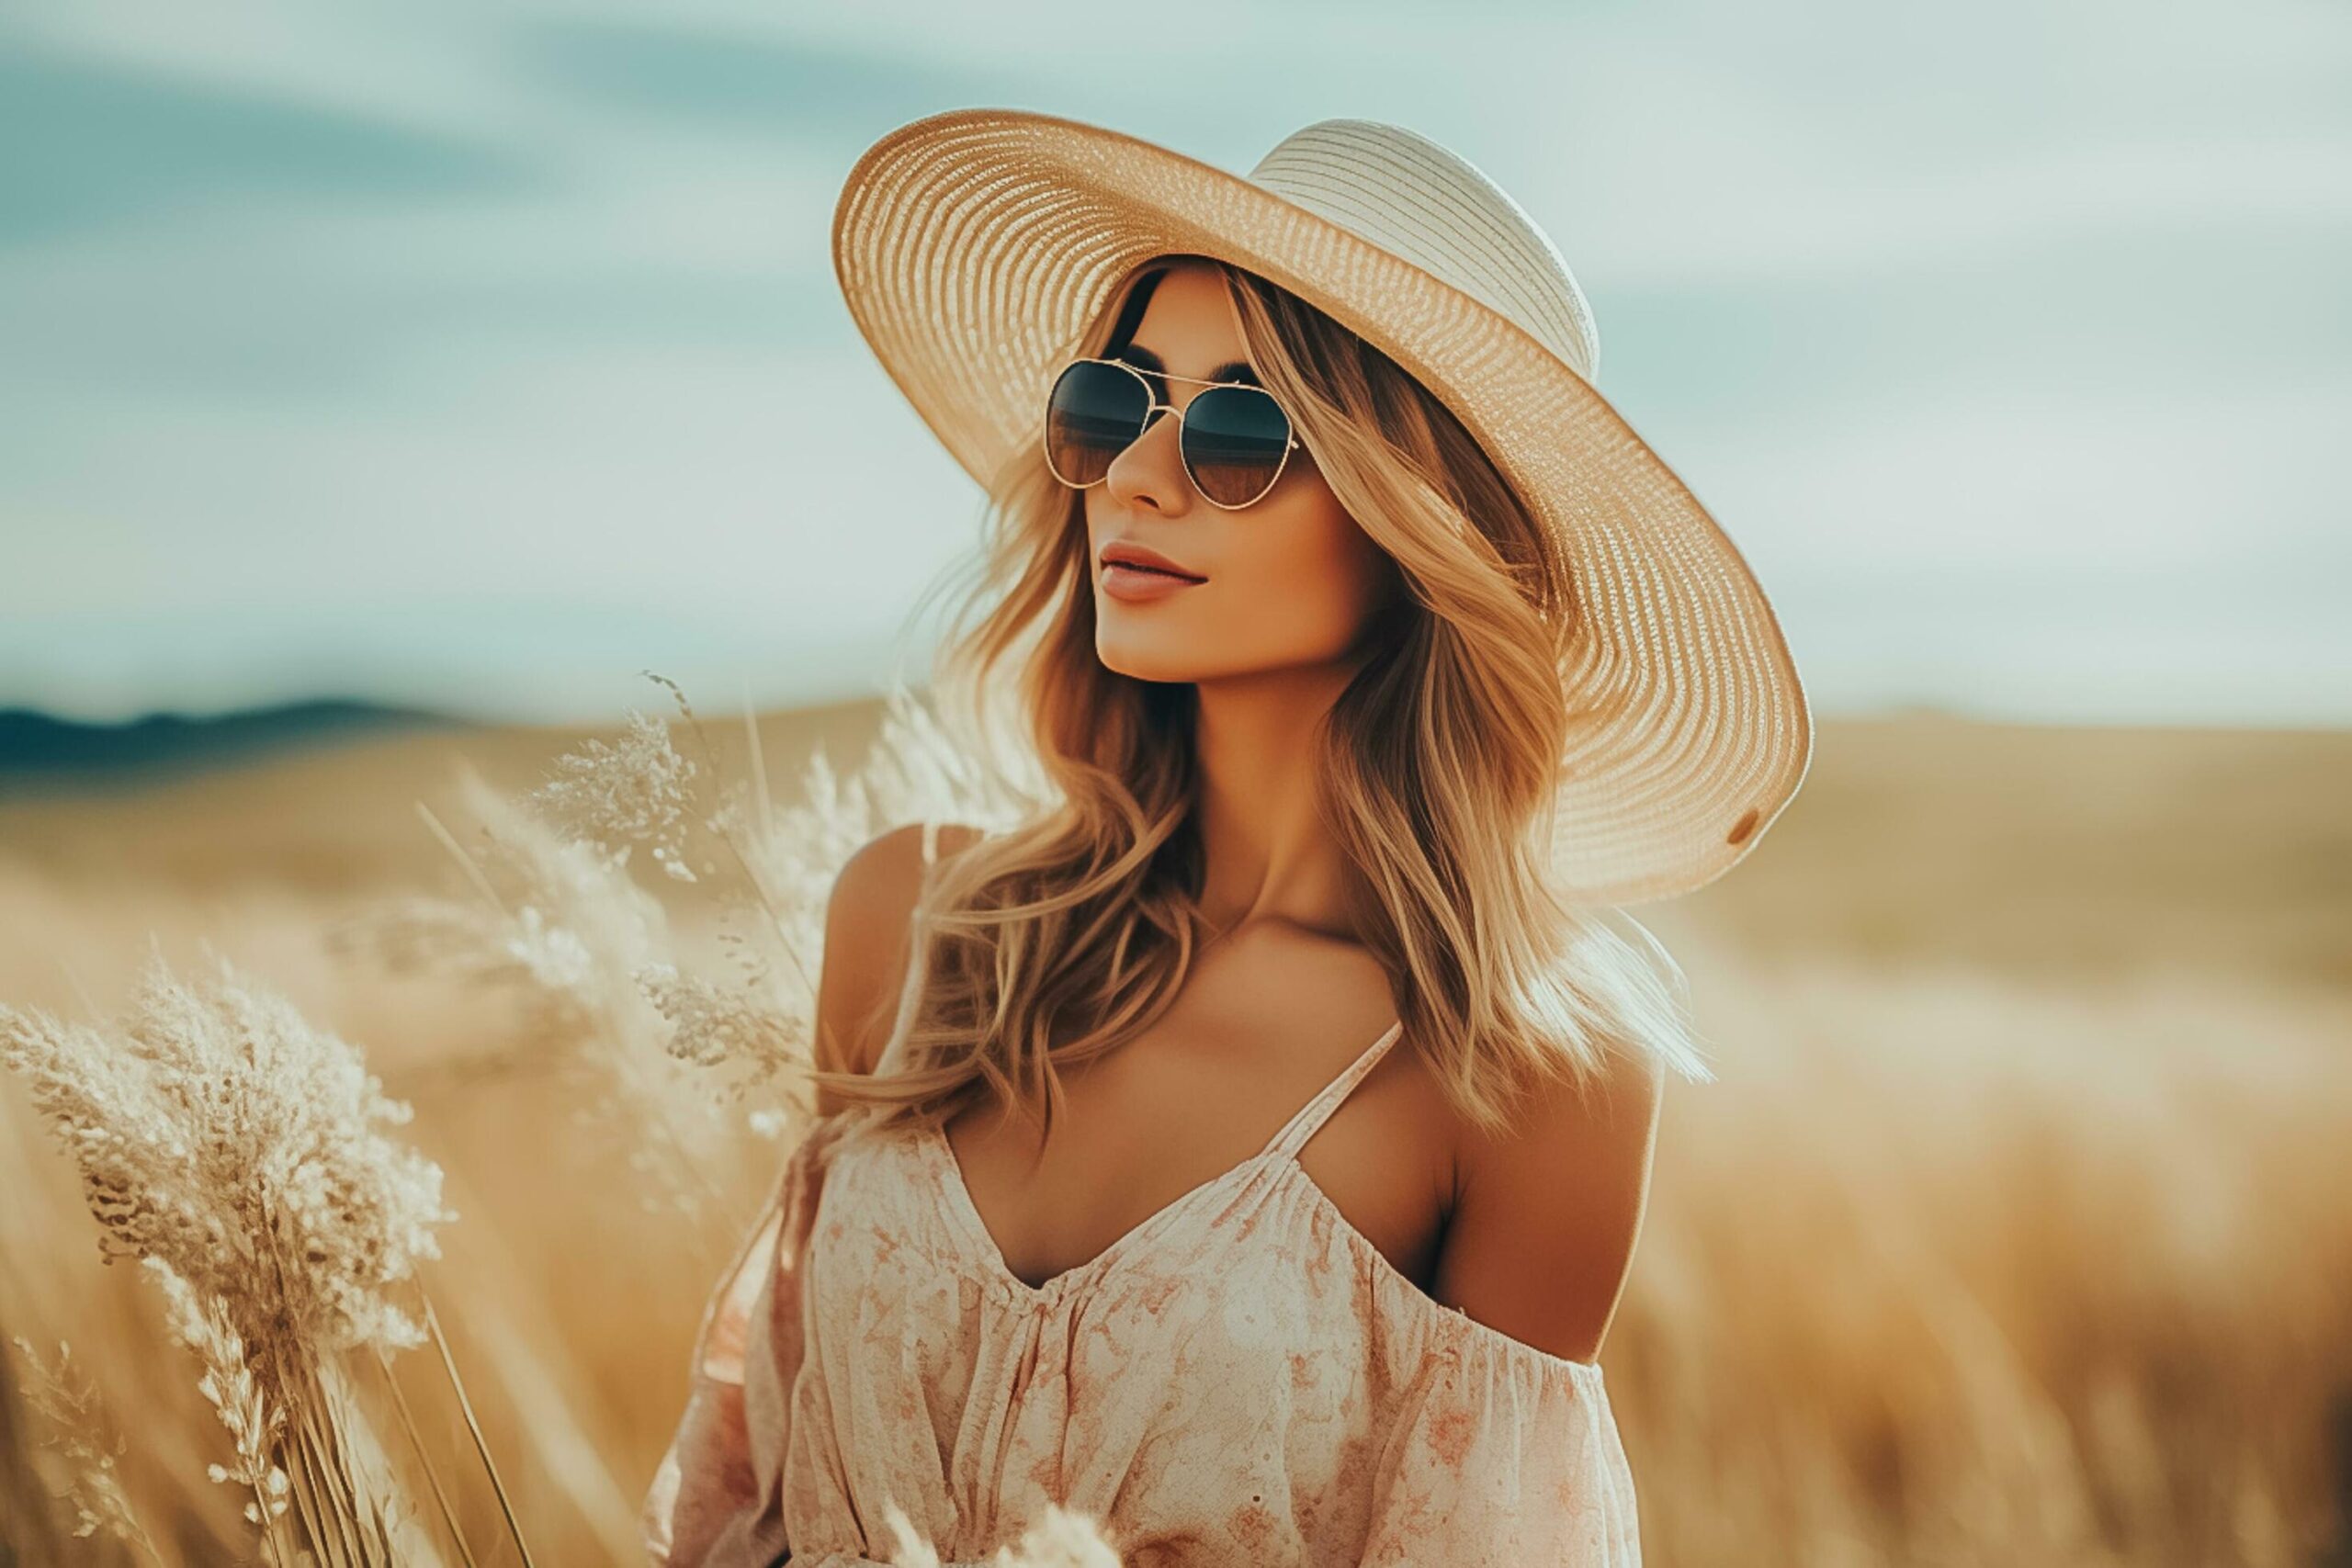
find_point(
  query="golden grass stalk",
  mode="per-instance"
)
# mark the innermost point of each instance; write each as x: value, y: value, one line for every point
x: 27, y: 1528
x: 751, y: 1021
x: 237, y: 1396
x: 78, y: 1435
x: 553, y: 923
x: 554, y: 915
x: 243, y: 1158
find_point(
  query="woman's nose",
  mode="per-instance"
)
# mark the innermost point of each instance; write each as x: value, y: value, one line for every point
x: 1150, y: 472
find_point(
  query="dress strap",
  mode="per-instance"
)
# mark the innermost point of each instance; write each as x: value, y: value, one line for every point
x: 1315, y: 1113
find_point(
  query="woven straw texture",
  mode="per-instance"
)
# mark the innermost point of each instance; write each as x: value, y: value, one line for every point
x: 975, y: 248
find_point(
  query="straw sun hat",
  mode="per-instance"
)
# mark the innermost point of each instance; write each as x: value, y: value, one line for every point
x: 975, y: 247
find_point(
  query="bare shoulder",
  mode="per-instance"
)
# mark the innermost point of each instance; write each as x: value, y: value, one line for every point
x: 867, y: 942
x: 1543, y: 1231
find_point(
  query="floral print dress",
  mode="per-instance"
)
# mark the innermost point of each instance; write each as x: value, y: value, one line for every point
x: 1243, y: 1378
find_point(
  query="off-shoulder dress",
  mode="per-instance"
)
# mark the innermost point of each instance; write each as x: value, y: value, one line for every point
x: 1243, y: 1378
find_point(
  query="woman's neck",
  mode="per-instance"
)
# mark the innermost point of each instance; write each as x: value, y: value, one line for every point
x: 1258, y: 740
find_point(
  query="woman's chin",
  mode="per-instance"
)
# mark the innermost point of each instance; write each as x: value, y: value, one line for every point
x: 1147, y: 659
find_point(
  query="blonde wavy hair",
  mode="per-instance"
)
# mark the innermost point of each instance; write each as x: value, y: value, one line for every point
x: 1068, y: 934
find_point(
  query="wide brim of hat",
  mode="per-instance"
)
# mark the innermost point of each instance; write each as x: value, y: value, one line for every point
x: 975, y: 247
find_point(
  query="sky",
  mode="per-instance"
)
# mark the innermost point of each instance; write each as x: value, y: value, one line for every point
x: 476, y: 357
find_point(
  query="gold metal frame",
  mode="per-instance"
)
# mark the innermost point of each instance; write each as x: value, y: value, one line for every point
x: 1151, y: 407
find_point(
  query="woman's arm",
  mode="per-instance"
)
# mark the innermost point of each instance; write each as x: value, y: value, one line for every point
x: 1542, y: 1231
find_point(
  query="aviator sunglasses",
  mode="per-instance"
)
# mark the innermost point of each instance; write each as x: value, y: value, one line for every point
x: 1234, y: 439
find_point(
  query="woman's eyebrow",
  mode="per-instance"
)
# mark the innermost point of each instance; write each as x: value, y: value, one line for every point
x: 1235, y: 370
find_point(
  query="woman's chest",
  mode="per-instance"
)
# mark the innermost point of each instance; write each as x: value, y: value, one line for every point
x: 1248, y: 1284
x: 1139, y: 1131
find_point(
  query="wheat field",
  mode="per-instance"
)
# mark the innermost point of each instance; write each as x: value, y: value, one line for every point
x: 2017, y: 1227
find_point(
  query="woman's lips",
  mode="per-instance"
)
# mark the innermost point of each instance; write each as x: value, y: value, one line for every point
x: 1138, y: 584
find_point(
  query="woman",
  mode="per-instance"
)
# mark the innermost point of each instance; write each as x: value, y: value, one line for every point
x: 1369, y: 658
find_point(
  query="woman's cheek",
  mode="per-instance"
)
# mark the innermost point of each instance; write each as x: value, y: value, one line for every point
x: 1304, y: 603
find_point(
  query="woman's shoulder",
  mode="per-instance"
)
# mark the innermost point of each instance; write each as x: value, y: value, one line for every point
x: 868, y: 926
x: 1543, y: 1234
x: 892, y: 862
x: 875, y: 891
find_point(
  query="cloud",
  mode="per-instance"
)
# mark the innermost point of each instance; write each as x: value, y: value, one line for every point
x: 506, y: 339
x: 87, y: 142
x: 742, y: 82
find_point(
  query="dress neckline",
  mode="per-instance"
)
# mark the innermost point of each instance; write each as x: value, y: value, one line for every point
x: 1282, y: 1148
x: 1041, y: 1299
x: 931, y: 1140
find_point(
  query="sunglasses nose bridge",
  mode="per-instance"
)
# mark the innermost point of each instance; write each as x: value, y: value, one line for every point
x: 1174, y: 423
x: 1173, y: 456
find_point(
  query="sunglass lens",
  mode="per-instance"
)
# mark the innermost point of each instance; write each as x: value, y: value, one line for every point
x: 1093, y: 413
x: 1234, y: 438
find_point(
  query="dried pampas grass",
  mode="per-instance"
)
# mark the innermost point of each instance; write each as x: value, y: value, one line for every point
x: 551, y: 913
x: 250, y: 1162
x: 245, y: 1160
x: 218, y: 1133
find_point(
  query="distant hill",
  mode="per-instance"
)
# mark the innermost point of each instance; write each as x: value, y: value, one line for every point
x: 39, y: 752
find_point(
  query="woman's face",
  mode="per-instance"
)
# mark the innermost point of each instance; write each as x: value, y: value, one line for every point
x: 1289, y: 581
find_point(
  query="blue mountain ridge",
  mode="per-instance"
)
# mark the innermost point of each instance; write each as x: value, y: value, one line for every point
x: 40, y: 751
